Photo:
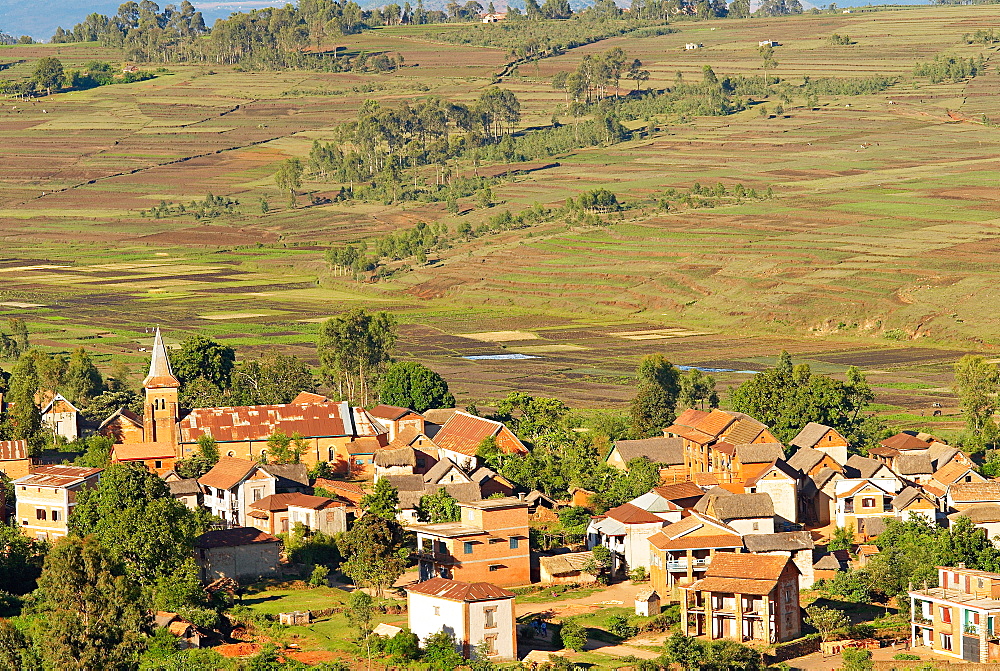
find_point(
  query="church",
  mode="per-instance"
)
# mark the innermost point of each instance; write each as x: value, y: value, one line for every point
x: 331, y: 431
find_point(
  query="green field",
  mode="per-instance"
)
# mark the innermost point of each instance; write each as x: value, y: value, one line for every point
x: 877, y: 248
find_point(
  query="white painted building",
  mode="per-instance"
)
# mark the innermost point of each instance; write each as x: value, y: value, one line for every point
x: 232, y: 485
x: 625, y: 531
x: 62, y: 418
x: 781, y: 483
x: 474, y: 613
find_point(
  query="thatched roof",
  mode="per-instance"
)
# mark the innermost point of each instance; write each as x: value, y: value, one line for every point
x: 744, y: 506
x: 810, y: 434
x: 396, y: 458
x: 790, y: 541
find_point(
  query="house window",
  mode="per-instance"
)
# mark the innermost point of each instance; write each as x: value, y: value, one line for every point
x: 157, y: 464
x: 513, y: 543
x: 55, y: 515
x: 496, y: 567
x: 756, y: 526
x: 946, y: 641
x: 868, y: 502
x: 24, y: 522
x: 491, y: 644
x: 437, y: 610
x: 427, y: 545
x: 848, y: 505
x: 40, y: 514
x: 467, y: 545
x: 946, y: 615
x: 489, y: 615
x: 471, y: 515
x: 257, y: 494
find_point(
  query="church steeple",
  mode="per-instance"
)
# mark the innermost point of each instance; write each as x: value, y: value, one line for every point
x: 160, y: 374
x: 161, y: 411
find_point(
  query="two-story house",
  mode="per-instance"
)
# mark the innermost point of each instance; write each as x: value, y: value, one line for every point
x: 746, y: 597
x: 859, y: 501
x: 822, y: 438
x: 232, y: 485
x: 479, y: 615
x: 959, y: 618
x: 680, y: 553
x: 489, y: 543
x: 46, y: 498
x: 624, y: 530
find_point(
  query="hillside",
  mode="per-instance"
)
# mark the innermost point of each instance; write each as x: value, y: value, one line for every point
x: 879, y: 232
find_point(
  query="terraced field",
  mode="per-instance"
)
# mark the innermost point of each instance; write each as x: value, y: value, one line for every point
x: 878, y: 248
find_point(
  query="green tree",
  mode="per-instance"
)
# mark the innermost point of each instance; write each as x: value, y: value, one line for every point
x: 354, y: 348
x: 403, y: 647
x: 23, y: 419
x: 201, y: 462
x: 373, y: 551
x: 132, y: 513
x: 440, y: 652
x: 288, y: 177
x: 573, y: 635
x: 361, y: 613
x: 697, y: 389
x: 408, y: 384
x: 21, y: 560
x: 856, y: 659
x: 826, y: 621
x: 977, y: 383
x: 529, y: 416
x: 48, y: 74
x: 16, y: 651
x: 657, y: 389
x: 272, y: 379
x: 842, y: 539
x: 82, y: 381
x: 686, y: 651
x: 201, y: 358
x: 94, y: 613
x: 282, y: 449
x: 438, y: 507
x: 723, y: 655
x: 599, y: 563
x: 767, y: 59
x: 382, y: 501
x: 19, y: 332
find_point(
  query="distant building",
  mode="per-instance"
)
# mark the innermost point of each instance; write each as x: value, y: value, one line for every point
x: 14, y: 460
x: 565, y: 568
x: 625, y: 531
x: 47, y: 497
x: 822, y: 438
x: 660, y: 450
x: 232, y: 485
x: 156, y: 457
x: 460, y: 437
x: 243, y: 553
x: 961, y: 617
x: 490, y: 542
x: 767, y: 43
x: 62, y: 418
x: 798, y: 545
x: 682, y: 552
x: 691, y: 46
x: 476, y: 614
x: 494, y: 17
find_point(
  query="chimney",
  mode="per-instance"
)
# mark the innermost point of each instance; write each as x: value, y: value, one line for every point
x: 961, y: 564
x: 520, y: 496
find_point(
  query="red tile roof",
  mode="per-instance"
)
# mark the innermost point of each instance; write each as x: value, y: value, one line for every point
x: 12, y: 450
x: 715, y: 423
x: 464, y: 432
x: 390, y: 412
x: 228, y: 538
x: 679, y: 490
x: 690, y: 417
x: 279, y: 502
x: 905, y: 441
x: 628, y: 513
x: 694, y: 542
x: 455, y: 590
x: 258, y: 422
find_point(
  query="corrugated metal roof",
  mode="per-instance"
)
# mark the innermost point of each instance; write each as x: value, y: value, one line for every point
x: 228, y: 538
x: 227, y: 473
x: 455, y: 590
x: 258, y: 422
x: 13, y: 450
x: 58, y: 476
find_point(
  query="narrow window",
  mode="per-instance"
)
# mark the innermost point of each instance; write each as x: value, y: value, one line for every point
x: 491, y: 645
x: 513, y: 543
x: 467, y: 545
x: 55, y: 515
x: 437, y: 610
x: 490, y: 615
x: 40, y: 514
x: 157, y: 465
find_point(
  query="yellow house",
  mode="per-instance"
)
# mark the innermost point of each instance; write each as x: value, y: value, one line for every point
x: 46, y: 498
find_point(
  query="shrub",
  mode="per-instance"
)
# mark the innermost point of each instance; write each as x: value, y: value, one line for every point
x: 318, y: 578
x: 620, y: 627
x: 573, y: 635
x: 905, y: 657
x: 638, y: 574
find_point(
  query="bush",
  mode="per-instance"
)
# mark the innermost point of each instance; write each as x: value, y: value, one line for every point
x: 620, y: 627
x: 573, y: 635
x: 856, y: 659
x: 318, y: 578
x: 638, y: 574
x: 905, y: 657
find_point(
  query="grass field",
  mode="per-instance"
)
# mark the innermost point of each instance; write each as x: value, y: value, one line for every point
x: 878, y: 249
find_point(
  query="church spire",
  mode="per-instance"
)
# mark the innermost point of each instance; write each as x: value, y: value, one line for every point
x: 160, y: 374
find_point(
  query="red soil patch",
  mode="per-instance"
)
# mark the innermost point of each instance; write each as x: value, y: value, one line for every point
x: 311, y: 656
x: 238, y: 649
x: 211, y: 236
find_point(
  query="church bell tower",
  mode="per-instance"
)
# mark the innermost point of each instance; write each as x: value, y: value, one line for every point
x: 161, y: 412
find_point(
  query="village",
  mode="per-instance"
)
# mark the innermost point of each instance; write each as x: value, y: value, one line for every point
x: 735, y: 529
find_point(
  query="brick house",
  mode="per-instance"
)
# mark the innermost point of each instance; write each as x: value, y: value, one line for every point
x: 476, y: 614
x: 243, y: 553
x: 961, y: 617
x: 398, y: 420
x: 14, y: 460
x: 46, y: 498
x: 824, y: 439
x: 710, y: 438
x: 682, y: 552
x: 746, y: 597
x: 490, y: 542
x: 156, y: 457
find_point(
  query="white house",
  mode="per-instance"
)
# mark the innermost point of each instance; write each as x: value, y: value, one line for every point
x: 475, y: 613
x: 624, y: 530
x: 691, y: 46
x: 781, y: 482
x: 654, y: 502
x: 232, y: 485
x: 985, y: 516
x: 62, y: 418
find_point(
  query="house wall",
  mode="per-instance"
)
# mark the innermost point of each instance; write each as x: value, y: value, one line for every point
x: 461, y: 460
x: 637, y: 544
x: 244, y: 562
x: 833, y: 444
x: 328, y: 521
x: 62, y: 423
x: 48, y: 499
x: 15, y: 468
x: 511, y: 566
x: 381, y: 472
x: 573, y: 577
x: 122, y: 430
x: 331, y: 449
x: 427, y: 615
x: 504, y: 629
x: 756, y: 525
x: 158, y: 466
x: 615, y: 459
x: 784, y: 495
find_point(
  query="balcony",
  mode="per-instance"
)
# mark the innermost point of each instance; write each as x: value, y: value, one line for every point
x: 682, y: 564
x: 436, y: 557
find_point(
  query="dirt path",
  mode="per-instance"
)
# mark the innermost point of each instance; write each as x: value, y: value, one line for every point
x: 620, y: 594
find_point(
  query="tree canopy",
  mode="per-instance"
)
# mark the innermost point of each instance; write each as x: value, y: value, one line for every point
x: 354, y: 349
x: 408, y: 384
x: 657, y: 391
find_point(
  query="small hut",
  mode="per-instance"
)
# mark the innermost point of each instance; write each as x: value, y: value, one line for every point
x: 647, y: 603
